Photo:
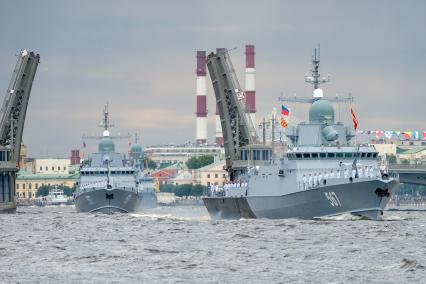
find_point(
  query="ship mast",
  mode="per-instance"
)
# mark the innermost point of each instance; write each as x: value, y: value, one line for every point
x: 106, y: 123
x: 315, y: 78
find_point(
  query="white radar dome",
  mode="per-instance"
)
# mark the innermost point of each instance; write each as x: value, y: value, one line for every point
x: 318, y: 93
x: 106, y: 133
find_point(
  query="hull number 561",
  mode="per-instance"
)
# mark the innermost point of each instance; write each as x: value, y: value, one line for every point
x: 332, y: 197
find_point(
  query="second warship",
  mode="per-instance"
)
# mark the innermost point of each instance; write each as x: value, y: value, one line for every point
x: 323, y: 173
x: 111, y: 183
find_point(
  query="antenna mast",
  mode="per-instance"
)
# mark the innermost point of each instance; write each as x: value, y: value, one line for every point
x: 315, y: 78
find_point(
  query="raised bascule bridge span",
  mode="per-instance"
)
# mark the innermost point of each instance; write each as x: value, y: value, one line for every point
x: 12, y: 119
x: 411, y: 174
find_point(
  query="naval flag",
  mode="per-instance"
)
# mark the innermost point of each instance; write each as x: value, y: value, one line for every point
x: 354, y: 119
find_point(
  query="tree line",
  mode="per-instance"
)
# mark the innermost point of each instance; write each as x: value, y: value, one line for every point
x: 184, y: 189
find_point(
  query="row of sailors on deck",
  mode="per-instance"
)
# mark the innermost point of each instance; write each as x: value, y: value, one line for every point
x: 227, y: 187
x: 314, y: 180
x: 234, y: 184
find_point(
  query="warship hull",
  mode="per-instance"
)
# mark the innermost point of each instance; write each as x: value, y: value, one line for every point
x: 147, y: 199
x: 363, y: 198
x: 107, y: 201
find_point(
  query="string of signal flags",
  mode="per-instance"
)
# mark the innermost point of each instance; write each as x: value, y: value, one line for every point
x: 380, y: 134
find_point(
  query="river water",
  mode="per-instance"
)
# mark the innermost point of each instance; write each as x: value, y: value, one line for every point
x: 182, y: 244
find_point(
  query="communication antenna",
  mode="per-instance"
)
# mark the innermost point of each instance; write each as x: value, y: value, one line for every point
x: 315, y: 77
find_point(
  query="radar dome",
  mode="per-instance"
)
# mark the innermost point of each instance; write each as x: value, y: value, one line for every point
x: 318, y: 93
x: 106, y: 145
x: 321, y: 111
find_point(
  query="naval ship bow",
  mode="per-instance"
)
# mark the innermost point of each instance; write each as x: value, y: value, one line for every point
x: 324, y: 173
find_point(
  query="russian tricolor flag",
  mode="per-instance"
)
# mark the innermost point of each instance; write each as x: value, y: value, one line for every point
x: 284, y: 110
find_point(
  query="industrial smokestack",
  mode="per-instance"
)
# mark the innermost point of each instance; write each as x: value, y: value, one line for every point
x: 219, y: 133
x: 201, y: 122
x: 75, y: 157
x: 250, y: 84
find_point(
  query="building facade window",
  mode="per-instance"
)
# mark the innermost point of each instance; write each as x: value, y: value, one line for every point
x: 208, y: 175
x: 216, y: 176
x: 41, y: 168
x: 23, y: 187
x: 17, y: 186
x: 36, y: 186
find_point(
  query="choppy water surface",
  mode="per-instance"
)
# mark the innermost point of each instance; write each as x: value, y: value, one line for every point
x: 182, y: 244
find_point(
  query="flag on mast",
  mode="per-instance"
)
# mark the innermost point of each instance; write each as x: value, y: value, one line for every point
x: 284, y: 110
x: 354, y: 119
x: 283, y: 122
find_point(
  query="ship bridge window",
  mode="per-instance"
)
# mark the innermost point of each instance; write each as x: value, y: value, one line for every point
x: 339, y: 155
x: 3, y: 156
x: 375, y: 155
x: 265, y: 155
x: 322, y: 155
x: 369, y: 155
x: 306, y: 155
x: 298, y: 155
x: 243, y: 154
x: 314, y: 155
x: 330, y: 155
x: 348, y: 155
x: 256, y: 155
x: 363, y: 155
x: 113, y: 172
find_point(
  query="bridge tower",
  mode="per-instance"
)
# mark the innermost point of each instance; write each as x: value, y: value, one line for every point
x: 12, y: 119
x: 237, y: 129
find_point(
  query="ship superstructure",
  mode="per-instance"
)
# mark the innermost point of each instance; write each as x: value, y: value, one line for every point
x: 323, y: 173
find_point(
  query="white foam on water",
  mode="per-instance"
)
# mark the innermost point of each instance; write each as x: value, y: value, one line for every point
x: 169, y: 217
x: 342, y: 217
x: 393, y: 218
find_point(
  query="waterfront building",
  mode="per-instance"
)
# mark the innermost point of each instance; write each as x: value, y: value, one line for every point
x: 212, y: 174
x: 28, y: 183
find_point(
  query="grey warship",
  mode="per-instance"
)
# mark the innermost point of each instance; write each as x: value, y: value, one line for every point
x: 323, y: 173
x: 110, y: 183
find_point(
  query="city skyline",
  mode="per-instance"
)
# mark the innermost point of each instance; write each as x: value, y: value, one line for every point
x: 140, y: 58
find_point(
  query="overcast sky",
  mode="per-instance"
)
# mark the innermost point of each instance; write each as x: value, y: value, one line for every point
x: 140, y: 57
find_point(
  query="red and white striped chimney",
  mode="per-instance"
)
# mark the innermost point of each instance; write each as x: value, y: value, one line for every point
x: 219, y: 133
x: 201, y: 131
x: 250, y: 84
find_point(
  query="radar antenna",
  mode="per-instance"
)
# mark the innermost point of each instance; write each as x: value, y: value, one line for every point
x: 106, y: 123
x: 315, y: 77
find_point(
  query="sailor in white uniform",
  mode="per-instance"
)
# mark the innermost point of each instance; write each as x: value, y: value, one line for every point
x: 305, y: 180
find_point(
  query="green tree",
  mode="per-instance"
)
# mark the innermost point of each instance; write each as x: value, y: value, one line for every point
x: 150, y: 164
x: 391, y: 159
x: 68, y: 191
x: 199, y: 162
x: 184, y: 189
x: 43, y: 191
